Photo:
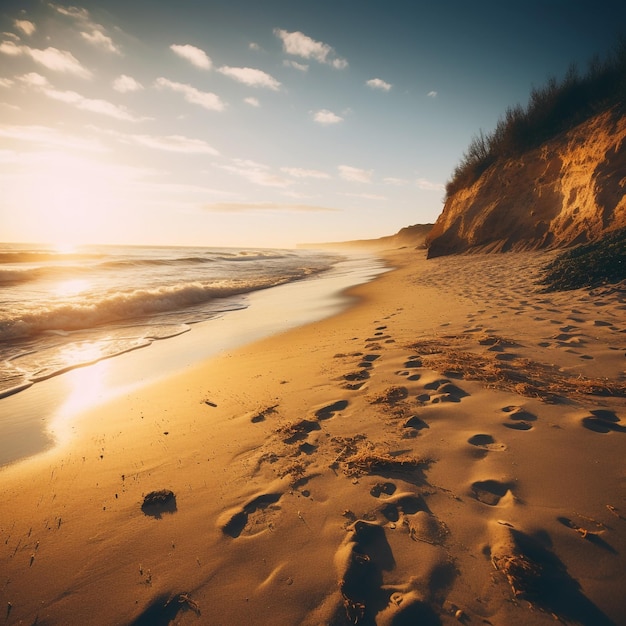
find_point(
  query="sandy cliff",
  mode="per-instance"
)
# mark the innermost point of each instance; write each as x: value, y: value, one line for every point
x: 409, y: 236
x: 570, y: 190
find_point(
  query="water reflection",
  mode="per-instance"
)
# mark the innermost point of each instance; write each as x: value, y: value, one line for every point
x: 71, y: 287
x: 86, y: 387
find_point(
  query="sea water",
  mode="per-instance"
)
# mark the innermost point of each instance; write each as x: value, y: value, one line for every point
x: 62, y: 309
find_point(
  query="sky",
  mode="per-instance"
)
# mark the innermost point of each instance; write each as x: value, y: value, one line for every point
x: 262, y: 123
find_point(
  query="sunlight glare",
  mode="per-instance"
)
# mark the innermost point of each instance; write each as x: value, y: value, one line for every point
x: 71, y: 287
x: 86, y: 389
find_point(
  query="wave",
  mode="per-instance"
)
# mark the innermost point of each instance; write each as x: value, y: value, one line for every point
x: 115, y: 307
x: 44, y: 257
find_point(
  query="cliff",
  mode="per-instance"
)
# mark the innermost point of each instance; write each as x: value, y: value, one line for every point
x: 410, y: 236
x: 570, y: 190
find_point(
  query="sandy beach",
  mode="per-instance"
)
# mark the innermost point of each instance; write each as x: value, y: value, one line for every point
x: 450, y: 449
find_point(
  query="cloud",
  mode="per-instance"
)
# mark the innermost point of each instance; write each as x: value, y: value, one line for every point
x: 253, y: 102
x: 254, y: 46
x: 326, y: 117
x: 6, y: 82
x: 205, y: 99
x: 239, y: 207
x: 49, y: 137
x: 98, y: 38
x: 302, y: 67
x: 432, y: 94
x: 365, y: 196
x: 194, y: 55
x: 102, y: 107
x: 27, y: 27
x: 124, y: 84
x: 256, y: 173
x: 299, y: 44
x: 427, y: 185
x: 51, y: 58
x: 92, y: 32
x: 251, y: 77
x: 174, y: 143
x: 390, y: 180
x: 355, y: 174
x: 378, y: 83
x: 298, y: 172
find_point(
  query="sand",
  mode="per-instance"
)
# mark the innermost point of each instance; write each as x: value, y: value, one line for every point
x: 448, y: 450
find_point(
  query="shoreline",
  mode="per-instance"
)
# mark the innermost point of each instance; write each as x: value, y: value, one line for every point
x: 356, y: 469
x: 268, y: 312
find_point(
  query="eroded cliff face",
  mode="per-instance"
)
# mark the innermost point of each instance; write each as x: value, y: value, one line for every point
x: 570, y: 190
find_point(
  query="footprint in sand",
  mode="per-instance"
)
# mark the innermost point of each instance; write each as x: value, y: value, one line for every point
x: 444, y: 390
x: 520, y: 419
x: 361, y: 560
x: 490, y: 491
x: 254, y: 516
x: 486, y: 443
x: 379, y: 489
x: 356, y: 380
x: 413, y: 425
x: 299, y: 430
x: 603, y: 421
x: 368, y: 360
x: 329, y: 411
x: 407, y: 504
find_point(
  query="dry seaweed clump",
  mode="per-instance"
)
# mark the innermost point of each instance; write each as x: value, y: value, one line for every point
x: 391, y: 395
x: 357, y: 457
x: 450, y: 356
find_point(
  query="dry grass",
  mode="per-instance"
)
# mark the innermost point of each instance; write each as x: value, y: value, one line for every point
x: 449, y: 356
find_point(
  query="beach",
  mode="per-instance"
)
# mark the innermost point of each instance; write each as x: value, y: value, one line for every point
x: 448, y: 449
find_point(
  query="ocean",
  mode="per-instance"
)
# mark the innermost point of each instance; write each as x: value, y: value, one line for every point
x: 63, y: 309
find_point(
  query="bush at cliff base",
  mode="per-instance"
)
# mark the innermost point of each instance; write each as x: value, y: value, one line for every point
x: 591, y: 265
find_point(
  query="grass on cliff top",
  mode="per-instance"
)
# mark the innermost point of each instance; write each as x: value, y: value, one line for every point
x: 590, y: 265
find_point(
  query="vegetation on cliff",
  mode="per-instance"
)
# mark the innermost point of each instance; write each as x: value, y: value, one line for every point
x: 590, y: 265
x: 551, y: 110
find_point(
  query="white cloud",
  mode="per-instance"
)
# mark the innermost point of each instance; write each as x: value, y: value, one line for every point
x: 27, y: 27
x: 365, y: 196
x: 124, y: 84
x: 98, y: 38
x: 208, y: 100
x: 298, y: 172
x: 302, y: 67
x: 299, y: 44
x: 194, y: 55
x: 49, y: 137
x: 256, y: 173
x: 174, y: 143
x: 6, y: 82
x: 251, y: 77
x: 91, y: 31
x: 239, y: 207
x: 253, y: 102
x: 102, y: 107
x: 432, y: 94
x: 355, y: 174
x: 51, y: 58
x: 378, y: 83
x: 326, y: 117
x: 427, y: 185
x: 76, y: 13
x: 254, y: 46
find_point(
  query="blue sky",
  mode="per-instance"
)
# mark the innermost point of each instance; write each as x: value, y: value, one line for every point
x: 260, y: 123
